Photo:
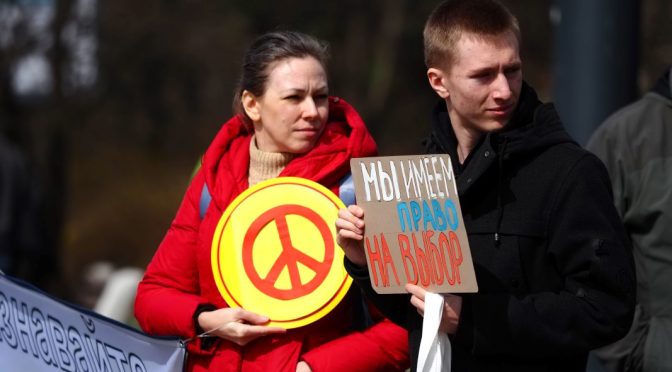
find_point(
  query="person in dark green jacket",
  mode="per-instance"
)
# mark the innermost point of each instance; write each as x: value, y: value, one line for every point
x: 552, y: 260
x: 635, y: 143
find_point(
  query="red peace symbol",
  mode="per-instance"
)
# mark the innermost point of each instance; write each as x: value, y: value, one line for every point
x: 290, y: 256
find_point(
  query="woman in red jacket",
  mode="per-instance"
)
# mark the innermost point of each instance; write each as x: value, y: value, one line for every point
x: 287, y: 125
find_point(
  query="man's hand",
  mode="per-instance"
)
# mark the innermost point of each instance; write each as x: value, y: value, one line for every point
x: 236, y: 325
x: 452, y: 306
x: 350, y: 233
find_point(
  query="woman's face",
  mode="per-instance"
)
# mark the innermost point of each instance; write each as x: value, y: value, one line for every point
x: 292, y: 112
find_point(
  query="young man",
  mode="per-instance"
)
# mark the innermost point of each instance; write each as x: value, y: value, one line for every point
x: 552, y: 260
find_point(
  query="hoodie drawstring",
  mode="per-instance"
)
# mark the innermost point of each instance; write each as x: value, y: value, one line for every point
x: 500, y: 176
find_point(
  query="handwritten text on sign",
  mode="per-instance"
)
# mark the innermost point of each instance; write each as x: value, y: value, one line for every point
x: 414, y: 231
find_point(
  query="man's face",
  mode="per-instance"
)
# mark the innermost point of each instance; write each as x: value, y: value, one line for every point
x: 483, y: 83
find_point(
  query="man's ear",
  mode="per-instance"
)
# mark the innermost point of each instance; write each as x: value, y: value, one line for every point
x: 251, y: 106
x: 437, y: 80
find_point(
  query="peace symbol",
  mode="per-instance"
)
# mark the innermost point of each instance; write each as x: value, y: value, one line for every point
x: 289, y: 257
x: 274, y: 252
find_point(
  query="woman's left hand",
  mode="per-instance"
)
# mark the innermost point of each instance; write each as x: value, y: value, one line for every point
x: 452, y: 306
x: 236, y: 325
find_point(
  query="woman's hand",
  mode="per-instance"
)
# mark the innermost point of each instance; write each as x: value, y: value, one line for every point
x: 350, y: 233
x: 452, y: 306
x: 236, y: 325
x: 303, y: 367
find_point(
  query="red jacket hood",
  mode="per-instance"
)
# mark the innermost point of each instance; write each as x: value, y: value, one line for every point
x: 345, y: 136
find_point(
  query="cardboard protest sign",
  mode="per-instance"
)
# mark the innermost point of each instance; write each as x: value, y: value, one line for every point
x: 274, y: 252
x: 414, y: 229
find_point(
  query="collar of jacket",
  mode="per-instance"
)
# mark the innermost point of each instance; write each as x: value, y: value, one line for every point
x: 491, y: 148
x: 533, y: 127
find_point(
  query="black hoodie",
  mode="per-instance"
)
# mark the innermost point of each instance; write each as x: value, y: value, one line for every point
x: 553, y: 263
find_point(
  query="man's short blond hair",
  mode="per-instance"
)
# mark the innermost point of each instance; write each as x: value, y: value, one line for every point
x: 453, y: 18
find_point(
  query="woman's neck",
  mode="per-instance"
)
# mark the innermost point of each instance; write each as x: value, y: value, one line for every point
x: 266, y: 165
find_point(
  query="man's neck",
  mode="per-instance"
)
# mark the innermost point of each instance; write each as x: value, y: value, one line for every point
x: 467, y: 140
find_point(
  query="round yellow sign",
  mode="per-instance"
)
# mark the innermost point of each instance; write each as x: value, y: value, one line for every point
x: 274, y: 252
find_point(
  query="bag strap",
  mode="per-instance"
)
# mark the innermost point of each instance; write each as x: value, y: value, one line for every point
x: 346, y: 191
x: 206, y: 198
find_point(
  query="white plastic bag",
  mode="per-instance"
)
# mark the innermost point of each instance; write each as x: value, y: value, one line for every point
x: 435, y: 353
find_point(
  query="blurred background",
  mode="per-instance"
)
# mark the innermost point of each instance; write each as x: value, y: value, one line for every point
x: 107, y: 105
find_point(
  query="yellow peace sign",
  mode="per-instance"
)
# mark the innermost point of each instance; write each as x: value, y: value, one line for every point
x: 274, y: 252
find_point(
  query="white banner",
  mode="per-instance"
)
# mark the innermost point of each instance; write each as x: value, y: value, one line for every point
x: 41, y: 333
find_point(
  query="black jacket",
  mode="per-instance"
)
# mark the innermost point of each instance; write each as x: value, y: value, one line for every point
x: 553, y: 263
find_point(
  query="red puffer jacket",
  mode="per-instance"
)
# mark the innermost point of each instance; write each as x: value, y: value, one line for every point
x: 179, y: 277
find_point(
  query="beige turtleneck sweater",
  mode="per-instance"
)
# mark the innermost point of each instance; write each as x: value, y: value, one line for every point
x: 266, y: 165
